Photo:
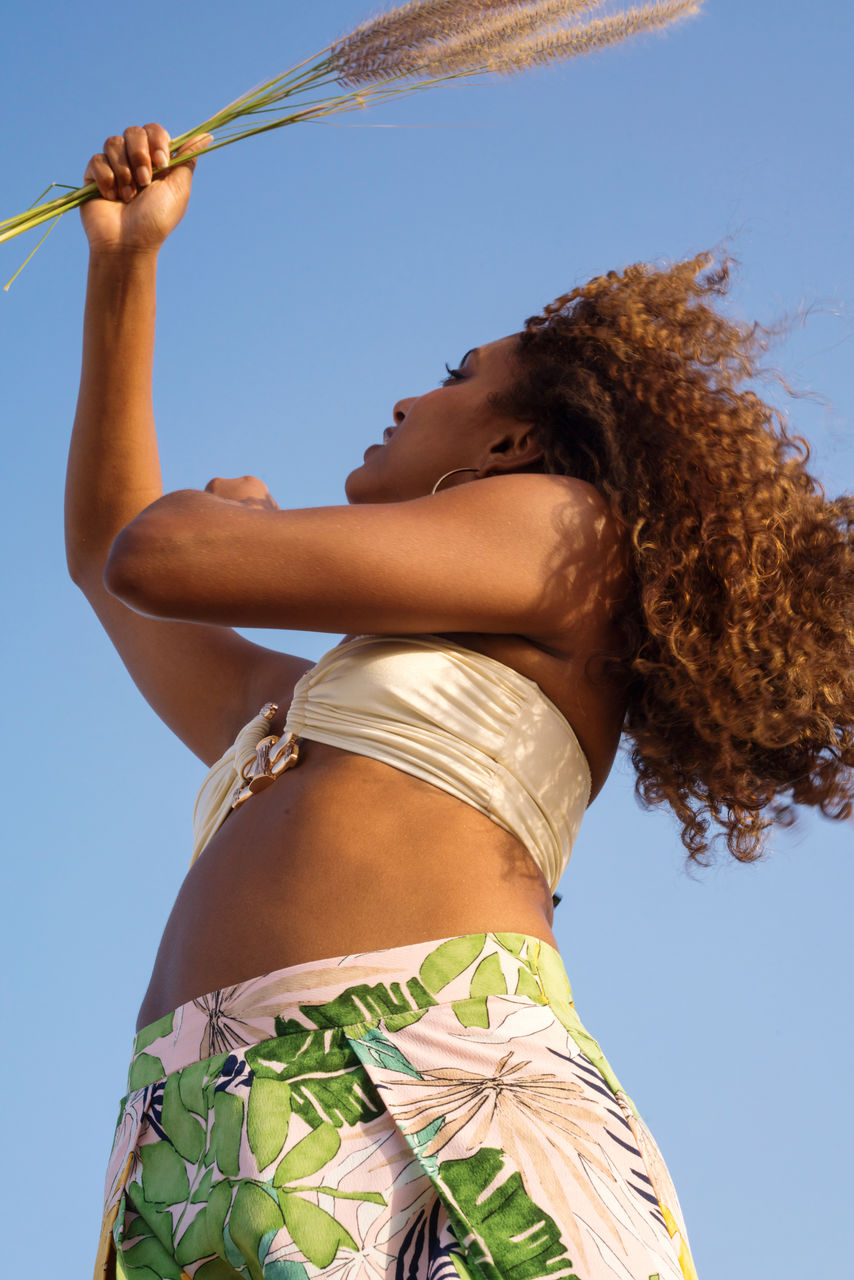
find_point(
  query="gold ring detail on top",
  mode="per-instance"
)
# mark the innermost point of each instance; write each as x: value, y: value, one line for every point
x: 273, y: 756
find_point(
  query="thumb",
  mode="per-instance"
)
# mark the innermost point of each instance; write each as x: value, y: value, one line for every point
x: 194, y: 147
x: 187, y: 155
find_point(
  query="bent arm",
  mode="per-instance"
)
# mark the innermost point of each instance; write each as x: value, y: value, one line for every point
x: 515, y: 554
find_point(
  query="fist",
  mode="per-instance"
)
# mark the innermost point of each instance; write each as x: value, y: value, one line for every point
x: 248, y: 490
x: 143, y: 191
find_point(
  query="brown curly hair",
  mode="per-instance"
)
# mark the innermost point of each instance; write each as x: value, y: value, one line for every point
x: 739, y: 629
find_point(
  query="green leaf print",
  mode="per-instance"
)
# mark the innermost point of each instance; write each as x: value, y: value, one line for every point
x: 363, y: 1003
x: 549, y: 967
x: 201, y: 1195
x: 488, y: 978
x: 319, y: 1053
x: 150, y: 1253
x: 152, y: 1221
x: 514, y: 1238
x: 225, y: 1135
x: 419, y: 1143
x: 553, y: 977
x: 268, y: 1117
x: 145, y: 1069
x: 374, y: 1046
x: 471, y: 1013
x: 348, y: 1098
x: 314, y: 1231
x: 255, y: 1213
x: 216, y: 1212
x: 328, y: 1083
x: 182, y: 1128
x: 372, y: 1197
x: 215, y: 1269
x: 284, y: 1269
x: 137, y: 1273
x: 164, y: 1174
x: 512, y: 942
x: 290, y: 1027
x: 192, y: 1079
x: 154, y: 1031
x: 461, y: 1268
x: 527, y: 985
x: 195, y: 1243
x: 310, y: 1154
x: 449, y: 960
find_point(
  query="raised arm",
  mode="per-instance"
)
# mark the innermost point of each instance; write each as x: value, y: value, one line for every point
x: 113, y: 464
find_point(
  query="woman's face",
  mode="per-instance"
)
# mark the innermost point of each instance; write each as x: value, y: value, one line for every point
x: 452, y: 426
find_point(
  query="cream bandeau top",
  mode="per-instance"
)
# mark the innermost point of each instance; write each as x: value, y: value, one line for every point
x: 453, y: 717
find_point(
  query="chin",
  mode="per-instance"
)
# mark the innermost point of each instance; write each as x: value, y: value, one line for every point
x: 357, y: 487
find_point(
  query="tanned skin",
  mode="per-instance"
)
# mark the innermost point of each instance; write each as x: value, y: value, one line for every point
x: 344, y: 853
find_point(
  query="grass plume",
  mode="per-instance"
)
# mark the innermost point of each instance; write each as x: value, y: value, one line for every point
x: 422, y: 41
x: 402, y: 51
x: 559, y: 44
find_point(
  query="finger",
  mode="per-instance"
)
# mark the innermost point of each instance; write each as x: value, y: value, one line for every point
x: 189, y: 153
x: 99, y: 171
x: 139, y: 156
x: 116, y: 155
x: 159, y: 144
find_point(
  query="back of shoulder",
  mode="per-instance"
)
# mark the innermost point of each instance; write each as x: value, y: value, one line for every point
x: 574, y: 515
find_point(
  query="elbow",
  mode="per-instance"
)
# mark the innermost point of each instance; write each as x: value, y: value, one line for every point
x: 134, y: 571
x: 78, y: 569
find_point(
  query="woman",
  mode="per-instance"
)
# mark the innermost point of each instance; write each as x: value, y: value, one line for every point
x: 589, y: 528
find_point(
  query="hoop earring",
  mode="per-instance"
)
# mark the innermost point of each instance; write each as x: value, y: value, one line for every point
x: 456, y: 471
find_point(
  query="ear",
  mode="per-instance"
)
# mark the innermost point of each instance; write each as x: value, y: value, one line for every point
x: 518, y: 449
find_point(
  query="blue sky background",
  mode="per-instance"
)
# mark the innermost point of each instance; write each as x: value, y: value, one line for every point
x: 321, y: 274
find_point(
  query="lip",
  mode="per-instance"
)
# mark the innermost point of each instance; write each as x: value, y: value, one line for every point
x: 369, y: 449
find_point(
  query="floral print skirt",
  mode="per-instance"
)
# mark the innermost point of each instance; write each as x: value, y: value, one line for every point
x: 426, y: 1112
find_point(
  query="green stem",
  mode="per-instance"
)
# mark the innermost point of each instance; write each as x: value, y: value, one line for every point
x: 353, y: 100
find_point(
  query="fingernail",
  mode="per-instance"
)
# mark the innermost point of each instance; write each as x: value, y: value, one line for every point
x: 127, y: 193
x: 143, y: 176
x: 160, y: 159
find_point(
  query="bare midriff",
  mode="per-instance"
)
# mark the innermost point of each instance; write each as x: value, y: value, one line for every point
x: 341, y: 854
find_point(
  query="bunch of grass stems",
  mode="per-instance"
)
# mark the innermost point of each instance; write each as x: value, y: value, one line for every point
x: 403, y: 51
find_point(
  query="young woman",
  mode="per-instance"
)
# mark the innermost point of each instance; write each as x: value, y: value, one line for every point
x: 358, y: 1053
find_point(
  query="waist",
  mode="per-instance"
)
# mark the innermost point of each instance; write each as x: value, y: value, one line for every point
x: 348, y: 990
x: 342, y: 854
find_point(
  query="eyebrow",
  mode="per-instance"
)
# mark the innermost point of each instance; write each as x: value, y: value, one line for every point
x: 473, y: 352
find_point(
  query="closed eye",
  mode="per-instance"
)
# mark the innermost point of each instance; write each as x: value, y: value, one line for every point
x: 454, y: 375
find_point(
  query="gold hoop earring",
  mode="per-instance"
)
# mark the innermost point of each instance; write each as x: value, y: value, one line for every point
x: 456, y: 471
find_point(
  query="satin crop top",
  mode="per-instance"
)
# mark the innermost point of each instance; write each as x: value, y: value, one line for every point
x: 453, y: 717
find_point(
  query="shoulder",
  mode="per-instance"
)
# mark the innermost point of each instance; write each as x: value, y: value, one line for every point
x: 534, y: 491
x: 561, y: 507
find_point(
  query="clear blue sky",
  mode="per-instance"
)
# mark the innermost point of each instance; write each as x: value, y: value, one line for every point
x: 321, y: 274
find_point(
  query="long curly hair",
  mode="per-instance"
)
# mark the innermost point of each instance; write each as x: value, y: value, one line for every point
x: 739, y: 627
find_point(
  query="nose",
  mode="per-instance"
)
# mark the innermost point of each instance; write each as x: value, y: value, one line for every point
x: 402, y: 408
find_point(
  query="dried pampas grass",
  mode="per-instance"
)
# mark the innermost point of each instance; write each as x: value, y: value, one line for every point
x: 403, y: 51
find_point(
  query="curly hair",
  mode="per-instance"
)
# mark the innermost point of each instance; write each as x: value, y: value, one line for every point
x: 739, y: 625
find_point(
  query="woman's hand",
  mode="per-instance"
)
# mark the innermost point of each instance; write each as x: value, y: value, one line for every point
x: 248, y: 490
x: 139, y: 208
